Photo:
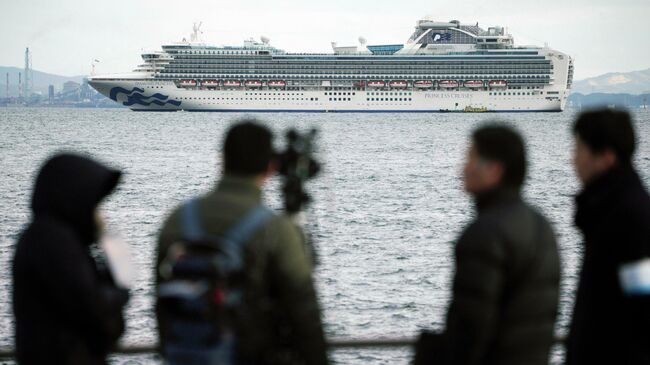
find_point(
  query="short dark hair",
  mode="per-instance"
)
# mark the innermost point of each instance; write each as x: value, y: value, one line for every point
x: 607, y: 129
x: 501, y: 143
x: 248, y: 148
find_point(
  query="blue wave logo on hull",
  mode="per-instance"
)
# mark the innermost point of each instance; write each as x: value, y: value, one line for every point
x: 135, y: 96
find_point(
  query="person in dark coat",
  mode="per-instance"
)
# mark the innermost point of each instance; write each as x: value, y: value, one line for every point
x: 611, y: 317
x: 67, y: 309
x: 505, y: 289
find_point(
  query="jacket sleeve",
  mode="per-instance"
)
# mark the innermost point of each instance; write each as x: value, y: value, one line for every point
x: 477, y: 291
x: 74, y: 286
x: 298, y: 295
x: 166, y: 236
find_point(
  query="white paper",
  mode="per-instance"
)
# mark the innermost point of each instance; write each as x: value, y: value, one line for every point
x: 119, y: 261
x: 635, y: 277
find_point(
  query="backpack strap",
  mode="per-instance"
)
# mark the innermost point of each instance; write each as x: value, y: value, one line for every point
x: 190, y: 223
x: 240, y: 233
x: 231, y: 243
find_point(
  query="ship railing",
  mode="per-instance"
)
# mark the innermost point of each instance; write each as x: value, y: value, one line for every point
x: 333, y: 344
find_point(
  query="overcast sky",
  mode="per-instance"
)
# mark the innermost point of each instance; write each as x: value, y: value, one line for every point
x: 66, y: 35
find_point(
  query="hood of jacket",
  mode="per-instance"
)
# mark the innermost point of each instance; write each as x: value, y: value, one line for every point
x: 69, y: 187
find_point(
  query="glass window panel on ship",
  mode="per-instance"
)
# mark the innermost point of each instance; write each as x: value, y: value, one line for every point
x: 378, y: 68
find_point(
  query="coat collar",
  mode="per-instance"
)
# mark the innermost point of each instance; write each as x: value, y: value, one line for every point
x: 497, y: 196
x: 599, y: 193
x: 239, y: 185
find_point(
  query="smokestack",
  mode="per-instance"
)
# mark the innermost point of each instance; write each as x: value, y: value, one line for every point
x: 20, y: 85
x: 7, y: 85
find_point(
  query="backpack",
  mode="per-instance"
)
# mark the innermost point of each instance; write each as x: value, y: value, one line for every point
x: 201, y: 295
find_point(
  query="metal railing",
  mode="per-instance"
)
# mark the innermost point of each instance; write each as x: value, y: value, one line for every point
x: 333, y: 344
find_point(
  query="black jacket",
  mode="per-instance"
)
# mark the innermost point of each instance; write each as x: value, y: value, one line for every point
x: 67, y: 310
x: 505, y: 289
x: 609, y: 327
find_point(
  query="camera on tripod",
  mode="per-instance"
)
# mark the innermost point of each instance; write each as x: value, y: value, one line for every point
x: 296, y: 165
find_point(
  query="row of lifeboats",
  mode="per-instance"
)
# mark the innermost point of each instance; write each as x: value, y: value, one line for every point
x: 395, y: 84
x: 445, y: 84
x: 231, y: 83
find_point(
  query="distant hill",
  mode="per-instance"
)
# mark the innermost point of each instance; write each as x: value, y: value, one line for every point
x: 578, y: 100
x: 635, y: 82
x: 41, y: 80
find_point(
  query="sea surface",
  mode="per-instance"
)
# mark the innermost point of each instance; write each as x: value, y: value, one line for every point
x: 386, y: 209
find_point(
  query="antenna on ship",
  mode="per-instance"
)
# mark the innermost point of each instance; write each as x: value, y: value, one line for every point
x: 92, y: 64
x: 196, y: 30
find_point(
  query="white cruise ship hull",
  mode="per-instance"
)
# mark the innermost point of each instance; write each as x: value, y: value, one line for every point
x: 154, y: 95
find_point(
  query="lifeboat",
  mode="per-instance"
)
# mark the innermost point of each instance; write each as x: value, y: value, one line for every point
x: 448, y: 84
x: 276, y: 83
x: 423, y: 84
x: 187, y: 83
x: 210, y: 83
x: 253, y: 83
x: 231, y: 83
x: 497, y: 83
x: 398, y: 84
x: 473, y: 83
x: 376, y: 84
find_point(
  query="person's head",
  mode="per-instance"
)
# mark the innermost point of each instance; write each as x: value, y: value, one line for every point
x: 603, y: 140
x: 496, y: 158
x: 248, y: 150
x: 69, y: 187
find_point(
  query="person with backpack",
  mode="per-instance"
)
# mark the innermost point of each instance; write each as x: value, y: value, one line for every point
x: 506, y: 285
x: 611, y: 317
x: 234, y: 280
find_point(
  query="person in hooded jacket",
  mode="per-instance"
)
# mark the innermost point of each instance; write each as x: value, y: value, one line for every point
x: 67, y: 308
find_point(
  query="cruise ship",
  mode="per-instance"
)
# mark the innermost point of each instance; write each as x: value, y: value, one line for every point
x: 443, y: 67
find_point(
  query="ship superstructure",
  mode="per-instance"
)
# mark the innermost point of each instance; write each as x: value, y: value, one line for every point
x: 443, y: 67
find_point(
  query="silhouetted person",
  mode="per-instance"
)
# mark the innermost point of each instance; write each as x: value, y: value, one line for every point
x: 611, y: 318
x: 505, y: 289
x: 67, y: 309
x: 275, y: 317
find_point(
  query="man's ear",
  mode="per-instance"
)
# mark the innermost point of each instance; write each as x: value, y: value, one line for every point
x: 496, y: 170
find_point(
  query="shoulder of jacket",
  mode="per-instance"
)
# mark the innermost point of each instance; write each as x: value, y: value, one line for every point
x: 282, y: 226
x: 52, y: 229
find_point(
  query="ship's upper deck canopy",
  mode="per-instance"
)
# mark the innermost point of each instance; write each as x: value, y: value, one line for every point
x: 249, y: 45
x: 430, y: 35
x: 433, y: 37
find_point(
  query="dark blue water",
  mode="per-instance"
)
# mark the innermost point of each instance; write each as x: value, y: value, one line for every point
x: 386, y: 211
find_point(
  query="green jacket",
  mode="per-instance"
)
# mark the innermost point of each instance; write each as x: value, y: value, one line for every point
x: 285, y: 324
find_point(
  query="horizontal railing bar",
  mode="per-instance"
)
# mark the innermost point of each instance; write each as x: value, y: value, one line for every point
x: 335, y: 343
